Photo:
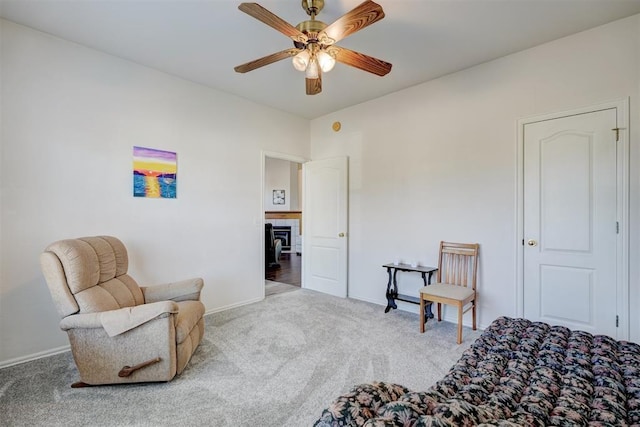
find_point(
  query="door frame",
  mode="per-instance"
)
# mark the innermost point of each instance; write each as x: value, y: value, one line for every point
x: 622, y: 208
x: 263, y: 158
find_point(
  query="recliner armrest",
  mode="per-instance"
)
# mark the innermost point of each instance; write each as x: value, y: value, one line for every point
x: 116, y: 322
x: 184, y: 290
x: 81, y: 321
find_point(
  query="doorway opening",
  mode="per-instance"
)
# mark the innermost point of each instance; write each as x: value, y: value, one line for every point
x: 282, y: 188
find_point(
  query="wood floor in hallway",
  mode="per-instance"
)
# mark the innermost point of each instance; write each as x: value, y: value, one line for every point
x: 290, y: 270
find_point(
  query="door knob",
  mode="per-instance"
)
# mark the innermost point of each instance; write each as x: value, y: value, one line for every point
x: 341, y: 235
x: 532, y: 242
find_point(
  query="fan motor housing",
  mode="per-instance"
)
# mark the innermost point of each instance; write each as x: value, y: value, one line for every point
x: 311, y: 26
x: 312, y: 7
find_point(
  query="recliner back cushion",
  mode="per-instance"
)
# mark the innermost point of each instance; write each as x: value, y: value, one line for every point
x: 95, y: 269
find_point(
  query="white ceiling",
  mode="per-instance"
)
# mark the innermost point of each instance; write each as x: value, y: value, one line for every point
x: 203, y: 40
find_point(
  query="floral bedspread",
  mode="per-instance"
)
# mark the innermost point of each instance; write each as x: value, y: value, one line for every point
x: 518, y: 373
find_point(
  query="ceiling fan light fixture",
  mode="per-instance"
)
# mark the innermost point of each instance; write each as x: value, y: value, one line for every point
x: 326, y: 61
x: 312, y: 69
x: 301, y: 60
x: 315, y: 51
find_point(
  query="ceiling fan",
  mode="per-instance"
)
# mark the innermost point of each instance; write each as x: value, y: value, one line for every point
x: 315, y: 49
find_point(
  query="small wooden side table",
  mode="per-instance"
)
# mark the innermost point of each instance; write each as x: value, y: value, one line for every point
x: 392, y: 292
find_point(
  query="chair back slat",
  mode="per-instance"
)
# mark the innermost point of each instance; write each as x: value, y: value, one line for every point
x: 465, y: 268
x: 455, y: 269
x: 458, y: 264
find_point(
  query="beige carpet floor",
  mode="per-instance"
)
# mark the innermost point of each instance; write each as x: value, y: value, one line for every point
x: 277, y: 363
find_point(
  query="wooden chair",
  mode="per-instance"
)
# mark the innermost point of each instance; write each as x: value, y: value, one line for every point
x: 456, y: 282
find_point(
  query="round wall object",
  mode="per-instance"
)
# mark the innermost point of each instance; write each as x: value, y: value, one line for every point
x: 336, y: 126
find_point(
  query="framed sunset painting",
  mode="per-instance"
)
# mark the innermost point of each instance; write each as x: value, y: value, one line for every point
x: 154, y: 173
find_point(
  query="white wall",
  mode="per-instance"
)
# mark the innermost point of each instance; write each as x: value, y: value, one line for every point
x: 71, y: 116
x: 1, y: 162
x: 277, y: 176
x: 281, y: 175
x: 438, y: 161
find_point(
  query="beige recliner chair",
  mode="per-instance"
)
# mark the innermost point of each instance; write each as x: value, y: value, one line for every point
x: 120, y: 332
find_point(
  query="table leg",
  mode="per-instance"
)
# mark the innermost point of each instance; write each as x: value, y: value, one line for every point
x: 428, y: 314
x: 391, y: 293
x: 395, y: 282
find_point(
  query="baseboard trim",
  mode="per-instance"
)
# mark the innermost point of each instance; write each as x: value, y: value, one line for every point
x: 34, y: 356
x: 65, y: 348
x: 414, y: 308
x: 230, y: 306
x: 372, y: 301
x: 58, y: 350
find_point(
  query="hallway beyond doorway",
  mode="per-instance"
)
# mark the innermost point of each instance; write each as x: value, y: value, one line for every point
x: 289, y: 271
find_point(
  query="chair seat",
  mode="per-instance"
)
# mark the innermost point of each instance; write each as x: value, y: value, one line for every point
x: 445, y: 290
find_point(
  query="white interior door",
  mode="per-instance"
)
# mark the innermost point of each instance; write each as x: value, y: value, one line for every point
x: 570, y: 222
x: 324, y: 261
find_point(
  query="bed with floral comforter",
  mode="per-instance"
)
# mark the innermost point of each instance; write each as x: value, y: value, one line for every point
x: 517, y: 373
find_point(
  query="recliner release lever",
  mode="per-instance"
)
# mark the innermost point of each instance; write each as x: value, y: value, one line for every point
x: 128, y: 370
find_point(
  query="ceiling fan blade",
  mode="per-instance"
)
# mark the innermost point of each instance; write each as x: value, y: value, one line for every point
x: 360, y: 60
x: 274, y: 21
x: 314, y: 86
x: 269, y: 59
x: 355, y: 20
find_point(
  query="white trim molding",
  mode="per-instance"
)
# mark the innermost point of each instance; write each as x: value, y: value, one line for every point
x: 34, y: 356
x: 65, y: 348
